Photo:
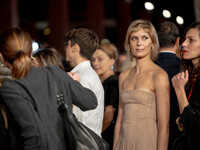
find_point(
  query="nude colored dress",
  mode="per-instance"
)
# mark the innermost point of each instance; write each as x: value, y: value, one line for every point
x: 139, y: 127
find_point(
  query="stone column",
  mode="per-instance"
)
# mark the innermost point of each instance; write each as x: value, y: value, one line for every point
x: 123, y: 21
x: 58, y: 22
x: 8, y: 14
x: 197, y: 9
x: 95, y: 17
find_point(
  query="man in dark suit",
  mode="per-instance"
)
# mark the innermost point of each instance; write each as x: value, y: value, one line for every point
x: 168, y: 35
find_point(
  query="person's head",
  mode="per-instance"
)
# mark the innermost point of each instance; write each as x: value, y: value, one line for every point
x: 191, y: 43
x: 191, y: 49
x: 16, y: 50
x: 80, y: 42
x: 47, y: 57
x: 149, y: 38
x: 168, y: 34
x: 104, y: 58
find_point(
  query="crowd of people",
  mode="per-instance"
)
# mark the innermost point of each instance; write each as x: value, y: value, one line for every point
x: 146, y: 106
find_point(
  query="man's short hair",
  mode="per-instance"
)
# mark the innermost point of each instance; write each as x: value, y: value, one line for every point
x: 167, y: 34
x: 87, y: 40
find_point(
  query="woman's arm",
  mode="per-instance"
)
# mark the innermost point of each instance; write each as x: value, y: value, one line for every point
x: 108, y: 116
x: 118, y: 123
x: 120, y: 111
x: 82, y: 97
x: 162, y: 90
x: 179, y: 81
x: 190, y: 115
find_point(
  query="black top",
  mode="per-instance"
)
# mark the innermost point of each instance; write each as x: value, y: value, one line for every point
x: 190, y: 118
x: 111, y: 88
x: 32, y: 103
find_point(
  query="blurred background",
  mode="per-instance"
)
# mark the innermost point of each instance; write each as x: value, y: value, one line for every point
x: 48, y: 20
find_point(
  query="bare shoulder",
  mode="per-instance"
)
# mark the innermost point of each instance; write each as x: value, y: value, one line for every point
x: 159, y: 72
x: 124, y: 74
x: 160, y: 76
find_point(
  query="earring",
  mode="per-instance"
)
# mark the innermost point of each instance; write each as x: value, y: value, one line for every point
x: 2, y: 65
x: 5, y: 65
x: 112, y: 67
x: 32, y: 58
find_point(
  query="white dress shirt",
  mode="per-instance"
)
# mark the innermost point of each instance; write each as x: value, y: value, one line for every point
x: 93, y: 119
x: 167, y: 52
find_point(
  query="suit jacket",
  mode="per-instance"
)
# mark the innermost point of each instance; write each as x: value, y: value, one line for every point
x: 171, y: 64
x: 32, y: 103
x: 190, y: 118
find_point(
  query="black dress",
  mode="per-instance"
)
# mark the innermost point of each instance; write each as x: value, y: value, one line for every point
x: 111, y: 89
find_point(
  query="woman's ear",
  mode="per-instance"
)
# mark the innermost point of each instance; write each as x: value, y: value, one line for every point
x: 152, y: 47
x: 112, y: 61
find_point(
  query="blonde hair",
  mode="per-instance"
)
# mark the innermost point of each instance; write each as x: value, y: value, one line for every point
x: 48, y: 57
x: 109, y: 49
x: 148, y: 27
x: 16, y: 49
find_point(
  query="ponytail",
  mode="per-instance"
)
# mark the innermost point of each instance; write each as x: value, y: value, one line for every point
x: 16, y: 49
x: 21, y: 65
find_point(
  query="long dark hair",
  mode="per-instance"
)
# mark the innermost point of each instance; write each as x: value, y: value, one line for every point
x: 194, y: 73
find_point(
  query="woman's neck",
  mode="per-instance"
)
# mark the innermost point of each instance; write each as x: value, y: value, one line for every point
x: 104, y: 76
x: 143, y: 64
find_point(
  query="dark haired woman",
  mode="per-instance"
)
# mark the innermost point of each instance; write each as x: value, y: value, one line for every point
x: 189, y: 101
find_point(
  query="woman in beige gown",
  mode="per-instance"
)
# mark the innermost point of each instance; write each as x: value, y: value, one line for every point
x: 144, y: 103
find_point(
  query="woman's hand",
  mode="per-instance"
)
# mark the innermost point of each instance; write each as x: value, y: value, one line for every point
x: 75, y: 76
x: 179, y: 81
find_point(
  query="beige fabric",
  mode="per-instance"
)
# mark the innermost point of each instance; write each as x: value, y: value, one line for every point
x: 139, y: 127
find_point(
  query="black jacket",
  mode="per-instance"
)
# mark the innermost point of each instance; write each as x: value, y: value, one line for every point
x: 32, y: 103
x: 190, y: 118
